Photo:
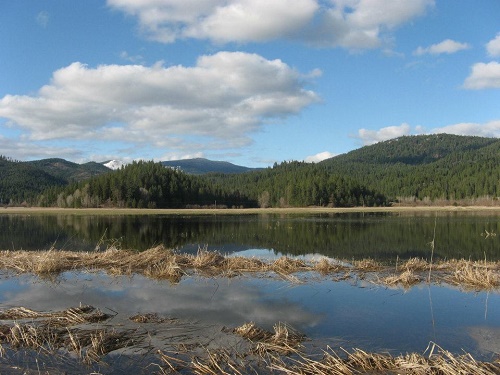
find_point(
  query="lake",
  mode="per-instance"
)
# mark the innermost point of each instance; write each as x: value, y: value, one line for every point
x: 381, y: 236
x: 352, y: 313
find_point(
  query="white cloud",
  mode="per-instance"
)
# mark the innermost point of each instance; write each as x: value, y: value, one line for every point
x: 446, y: 46
x: 223, y: 99
x: 43, y: 18
x: 483, y: 76
x: 359, y: 24
x: 369, y: 137
x: 319, y: 157
x: 22, y: 150
x: 353, y: 24
x: 493, y: 46
x: 489, y: 129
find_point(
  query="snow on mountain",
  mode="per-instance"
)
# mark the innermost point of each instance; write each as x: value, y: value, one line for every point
x: 114, y: 164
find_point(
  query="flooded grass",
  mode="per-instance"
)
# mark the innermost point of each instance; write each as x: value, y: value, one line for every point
x: 163, y: 264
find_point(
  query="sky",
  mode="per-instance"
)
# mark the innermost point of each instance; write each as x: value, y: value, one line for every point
x: 252, y: 82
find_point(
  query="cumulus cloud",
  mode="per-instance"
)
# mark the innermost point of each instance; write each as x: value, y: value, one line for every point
x: 222, y: 99
x: 369, y: 137
x: 354, y: 24
x: 319, y: 157
x: 447, y: 46
x: 489, y: 129
x: 483, y: 76
x: 22, y: 150
x: 359, y: 24
x: 493, y: 46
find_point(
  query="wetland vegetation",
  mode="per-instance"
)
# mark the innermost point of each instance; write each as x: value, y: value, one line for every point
x: 274, y: 293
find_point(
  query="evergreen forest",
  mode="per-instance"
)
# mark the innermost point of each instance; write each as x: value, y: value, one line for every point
x: 424, y: 169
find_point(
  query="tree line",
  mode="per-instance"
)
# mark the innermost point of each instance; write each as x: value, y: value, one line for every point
x: 142, y: 184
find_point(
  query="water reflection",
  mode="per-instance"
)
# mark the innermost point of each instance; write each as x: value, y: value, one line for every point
x: 330, y: 313
x: 354, y: 235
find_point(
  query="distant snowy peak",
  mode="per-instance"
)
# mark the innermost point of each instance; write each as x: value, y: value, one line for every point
x: 114, y: 164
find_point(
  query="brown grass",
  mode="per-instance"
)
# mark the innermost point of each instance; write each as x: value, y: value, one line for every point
x: 280, y: 351
x: 438, y: 362
x: 475, y: 275
x: 164, y: 264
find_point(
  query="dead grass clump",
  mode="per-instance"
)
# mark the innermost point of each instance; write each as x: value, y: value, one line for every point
x: 361, y: 362
x: 242, y: 264
x: 324, y: 266
x: 251, y: 332
x: 208, y: 259
x: 68, y: 317
x: 150, y: 318
x: 474, y: 275
x: 367, y: 265
x: 103, y: 342
x: 284, y: 340
x: 406, y: 279
x: 168, y: 270
x: 286, y: 265
x: 416, y: 265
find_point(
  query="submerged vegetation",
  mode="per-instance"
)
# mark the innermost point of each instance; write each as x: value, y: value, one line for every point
x: 83, y: 336
x: 161, y: 263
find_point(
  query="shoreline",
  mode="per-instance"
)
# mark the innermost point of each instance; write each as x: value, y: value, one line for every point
x: 242, y: 211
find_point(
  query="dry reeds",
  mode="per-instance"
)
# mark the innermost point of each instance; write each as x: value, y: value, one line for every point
x: 475, y: 275
x: 163, y: 264
x: 53, y: 333
x: 284, y: 340
x: 360, y: 362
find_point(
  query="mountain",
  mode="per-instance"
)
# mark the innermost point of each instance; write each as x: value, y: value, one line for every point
x: 20, y: 181
x: 200, y: 166
x: 24, y: 181
x: 69, y: 171
x: 438, y: 166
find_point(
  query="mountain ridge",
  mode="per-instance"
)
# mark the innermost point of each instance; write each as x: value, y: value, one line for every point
x: 438, y: 166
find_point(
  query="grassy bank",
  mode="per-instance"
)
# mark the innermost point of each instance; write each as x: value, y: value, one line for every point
x: 240, y: 211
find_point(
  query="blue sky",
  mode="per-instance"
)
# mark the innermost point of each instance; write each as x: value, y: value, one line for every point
x: 252, y: 82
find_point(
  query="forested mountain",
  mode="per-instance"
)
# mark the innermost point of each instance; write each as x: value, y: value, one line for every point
x: 299, y: 184
x: 68, y: 171
x: 24, y: 181
x: 20, y: 182
x: 143, y: 185
x: 427, y: 168
x: 202, y: 166
x: 441, y: 166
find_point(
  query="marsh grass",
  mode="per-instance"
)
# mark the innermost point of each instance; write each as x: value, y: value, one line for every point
x: 475, y: 275
x: 357, y: 361
x: 280, y: 351
x: 163, y: 264
x: 54, y: 333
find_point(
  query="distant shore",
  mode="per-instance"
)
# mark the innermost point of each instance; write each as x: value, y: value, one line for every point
x: 241, y: 211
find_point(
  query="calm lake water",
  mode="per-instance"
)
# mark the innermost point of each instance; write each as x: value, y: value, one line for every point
x: 348, y: 314
x: 383, y: 236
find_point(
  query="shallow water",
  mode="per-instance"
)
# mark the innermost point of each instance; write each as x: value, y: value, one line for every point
x: 353, y: 314
x: 348, y: 314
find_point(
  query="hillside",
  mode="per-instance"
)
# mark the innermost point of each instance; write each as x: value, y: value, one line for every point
x: 427, y: 168
x: 432, y: 167
x: 21, y: 182
x: 69, y: 171
x: 199, y: 166
x: 24, y: 181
